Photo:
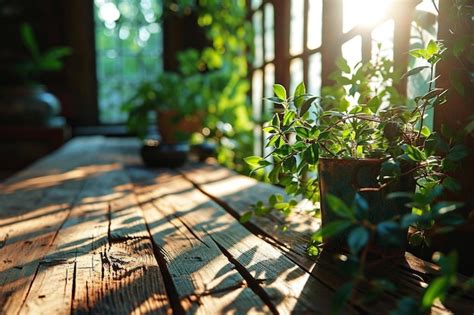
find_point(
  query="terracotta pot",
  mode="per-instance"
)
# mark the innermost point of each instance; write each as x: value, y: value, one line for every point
x: 174, y: 127
x: 27, y: 105
x: 344, y: 178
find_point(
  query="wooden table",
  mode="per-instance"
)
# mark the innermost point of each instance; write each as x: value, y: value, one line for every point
x: 89, y: 229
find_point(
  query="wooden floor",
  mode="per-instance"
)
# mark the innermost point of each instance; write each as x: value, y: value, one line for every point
x: 90, y: 230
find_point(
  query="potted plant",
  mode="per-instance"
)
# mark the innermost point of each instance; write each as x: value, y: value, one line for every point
x: 22, y: 99
x: 168, y: 100
x: 362, y: 152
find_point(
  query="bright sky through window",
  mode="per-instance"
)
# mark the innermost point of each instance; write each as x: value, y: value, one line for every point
x: 364, y: 12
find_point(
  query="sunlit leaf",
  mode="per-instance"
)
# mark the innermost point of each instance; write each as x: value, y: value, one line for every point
x: 436, y: 289
x: 414, y: 71
x: 279, y: 91
x: 331, y: 229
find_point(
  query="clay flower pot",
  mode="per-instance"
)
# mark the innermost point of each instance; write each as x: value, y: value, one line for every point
x: 344, y: 178
x: 174, y: 127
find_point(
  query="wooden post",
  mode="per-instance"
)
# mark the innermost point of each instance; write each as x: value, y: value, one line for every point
x: 403, y: 16
x: 455, y: 114
x: 331, y: 38
x: 282, y: 42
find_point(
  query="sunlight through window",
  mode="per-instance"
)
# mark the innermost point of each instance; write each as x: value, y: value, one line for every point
x: 363, y: 12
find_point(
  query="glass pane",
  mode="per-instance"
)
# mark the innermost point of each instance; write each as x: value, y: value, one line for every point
x: 128, y: 41
x: 269, y: 81
x: 296, y: 27
x: 352, y: 51
x: 257, y: 95
x: 296, y: 73
x: 314, y: 74
x: 255, y: 4
x: 315, y: 21
x: 382, y: 40
x: 363, y: 12
x: 423, y: 29
x: 268, y: 92
x: 258, y: 38
x: 269, y: 33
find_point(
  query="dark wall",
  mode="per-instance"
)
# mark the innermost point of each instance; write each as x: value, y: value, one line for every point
x: 181, y: 32
x: 55, y: 22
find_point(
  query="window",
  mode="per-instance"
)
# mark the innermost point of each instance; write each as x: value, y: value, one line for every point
x: 353, y: 30
x: 262, y: 69
x: 128, y: 51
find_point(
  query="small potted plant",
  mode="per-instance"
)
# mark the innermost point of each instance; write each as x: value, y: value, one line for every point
x: 168, y: 100
x: 22, y: 99
x: 362, y: 152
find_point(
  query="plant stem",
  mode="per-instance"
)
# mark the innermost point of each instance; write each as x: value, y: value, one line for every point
x: 425, y: 103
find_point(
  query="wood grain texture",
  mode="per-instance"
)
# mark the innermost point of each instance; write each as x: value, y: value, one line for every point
x: 288, y: 287
x: 33, y: 206
x: 205, y: 281
x: 90, y: 230
x: 237, y: 193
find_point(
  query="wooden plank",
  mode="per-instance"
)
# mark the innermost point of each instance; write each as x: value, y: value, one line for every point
x: 51, y: 292
x: 288, y: 287
x: 237, y: 193
x: 205, y: 281
x: 116, y: 270
x: 29, y: 225
x: 111, y: 275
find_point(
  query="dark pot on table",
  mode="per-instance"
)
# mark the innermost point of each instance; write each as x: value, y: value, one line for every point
x: 155, y: 154
x: 27, y: 105
x: 344, y: 178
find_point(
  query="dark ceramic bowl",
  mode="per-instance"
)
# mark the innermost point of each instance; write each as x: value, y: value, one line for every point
x: 164, y: 155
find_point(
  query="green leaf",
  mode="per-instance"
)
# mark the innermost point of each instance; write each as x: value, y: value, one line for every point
x: 414, y: 71
x: 246, y: 217
x: 279, y: 91
x: 311, y: 154
x: 253, y: 161
x: 299, y: 93
x: 58, y: 52
x: 341, y: 63
x: 418, y: 53
x: 357, y: 239
x: 374, y: 103
x: 288, y: 117
x: 436, y: 289
x: 29, y: 40
x: 361, y: 207
x: 339, y: 207
x: 275, y: 100
x: 274, y: 174
x: 425, y: 131
x: 306, y: 105
x: 415, y: 154
x: 432, y: 48
x: 331, y: 229
x: 276, y: 121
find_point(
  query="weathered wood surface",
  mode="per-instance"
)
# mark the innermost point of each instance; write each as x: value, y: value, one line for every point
x: 90, y: 230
